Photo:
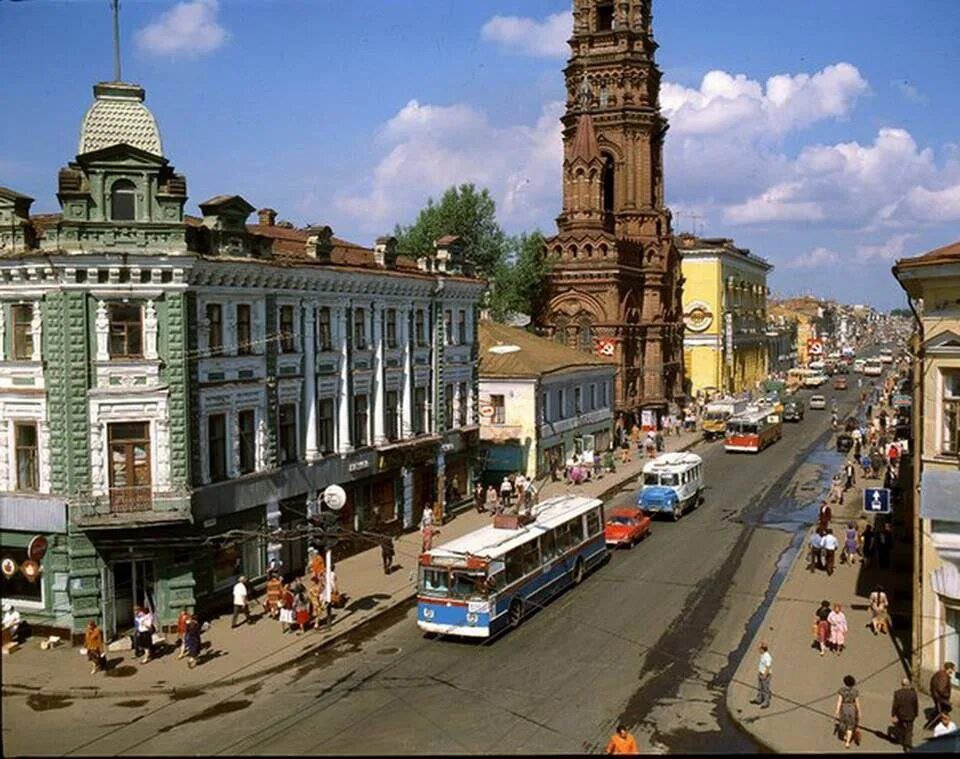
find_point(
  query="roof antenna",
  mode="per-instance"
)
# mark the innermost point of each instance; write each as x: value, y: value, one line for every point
x: 116, y: 41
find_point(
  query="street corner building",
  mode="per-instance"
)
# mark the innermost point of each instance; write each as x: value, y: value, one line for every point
x: 725, y: 345
x: 168, y: 380
x: 932, y: 283
x: 616, y: 286
x: 541, y: 403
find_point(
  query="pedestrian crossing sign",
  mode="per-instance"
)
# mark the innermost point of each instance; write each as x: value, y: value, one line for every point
x: 876, y: 500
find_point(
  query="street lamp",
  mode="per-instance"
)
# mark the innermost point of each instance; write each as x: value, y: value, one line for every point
x: 335, y: 498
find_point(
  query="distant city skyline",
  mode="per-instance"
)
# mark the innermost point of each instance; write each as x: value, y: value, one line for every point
x: 820, y: 137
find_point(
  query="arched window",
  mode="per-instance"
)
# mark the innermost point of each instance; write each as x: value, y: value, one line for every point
x: 586, y: 334
x: 608, y: 184
x: 560, y: 331
x: 123, y: 201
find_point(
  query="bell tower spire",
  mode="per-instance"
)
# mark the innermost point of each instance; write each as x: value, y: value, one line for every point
x: 615, y: 283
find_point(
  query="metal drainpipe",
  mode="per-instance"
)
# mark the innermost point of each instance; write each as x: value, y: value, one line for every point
x: 917, y: 644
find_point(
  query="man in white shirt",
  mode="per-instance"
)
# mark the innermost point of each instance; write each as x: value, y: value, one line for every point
x: 830, y: 545
x: 945, y: 726
x: 11, y: 621
x: 764, y: 675
x: 240, y: 601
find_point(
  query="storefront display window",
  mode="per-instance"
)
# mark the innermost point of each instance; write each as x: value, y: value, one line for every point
x: 17, y: 588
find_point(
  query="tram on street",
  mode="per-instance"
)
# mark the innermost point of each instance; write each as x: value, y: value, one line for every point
x: 672, y: 483
x: 491, y: 578
x: 753, y: 430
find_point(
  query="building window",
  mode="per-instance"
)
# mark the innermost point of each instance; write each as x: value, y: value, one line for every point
x: 286, y: 329
x: 325, y: 431
x: 608, y: 184
x: 448, y: 327
x: 419, y: 410
x: 499, y: 415
x: 462, y: 328
x: 561, y: 406
x: 217, y: 446
x: 25, y: 437
x: 577, y: 400
x: 287, y: 433
x: 605, y: 17
x: 360, y: 421
x: 126, y: 331
x: 464, y: 404
x: 448, y: 406
x: 324, y: 329
x: 421, y: 328
x: 247, y: 425
x: 390, y: 328
x: 544, y: 406
x: 215, y: 320
x: 130, y: 482
x: 244, y: 330
x: 390, y: 417
x: 17, y: 588
x: 123, y: 201
x: 593, y: 397
x: 22, y: 333
x: 951, y: 413
x: 359, y: 329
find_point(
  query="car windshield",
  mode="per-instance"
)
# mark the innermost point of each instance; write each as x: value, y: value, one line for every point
x: 620, y: 519
x: 453, y: 583
x: 668, y: 479
x: 651, y: 479
x: 714, y: 415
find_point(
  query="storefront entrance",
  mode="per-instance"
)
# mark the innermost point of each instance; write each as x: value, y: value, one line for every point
x: 126, y: 585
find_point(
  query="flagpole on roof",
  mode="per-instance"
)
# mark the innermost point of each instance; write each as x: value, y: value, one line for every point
x: 117, y: 77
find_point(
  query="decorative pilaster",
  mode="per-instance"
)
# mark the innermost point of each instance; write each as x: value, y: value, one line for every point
x: 98, y: 472
x: 343, y: 386
x: 6, y: 480
x: 312, y: 449
x: 36, y: 330
x: 406, y: 402
x: 379, y: 438
x: 272, y: 347
x: 43, y: 444
x: 3, y: 329
x: 102, y: 325
x: 234, y: 461
x: 162, y: 428
x: 150, y: 327
x: 182, y: 424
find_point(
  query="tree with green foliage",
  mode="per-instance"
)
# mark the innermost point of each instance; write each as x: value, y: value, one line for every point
x: 900, y: 312
x: 517, y: 286
x: 465, y: 212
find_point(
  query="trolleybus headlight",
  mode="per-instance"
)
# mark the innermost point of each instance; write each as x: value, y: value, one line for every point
x: 428, y: 613
x: 472, y: 618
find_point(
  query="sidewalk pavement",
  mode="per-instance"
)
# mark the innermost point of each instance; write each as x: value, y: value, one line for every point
x: 239, y: 654
x: 804, y: 684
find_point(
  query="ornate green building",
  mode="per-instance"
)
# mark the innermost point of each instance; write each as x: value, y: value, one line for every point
x: 173, y: 388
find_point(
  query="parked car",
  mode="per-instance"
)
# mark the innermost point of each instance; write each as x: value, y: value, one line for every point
x: 839, y: 383
x: 818, y: 402
x: 843, y: 368
x: 844, y: 443
x: 793, y: 411
x: 626, y: 527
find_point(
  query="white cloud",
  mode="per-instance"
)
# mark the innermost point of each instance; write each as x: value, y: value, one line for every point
x: 816, y: 258
x: 889, y: 250
x: 188, y: 30
x: 779, y: 203
x: 547, y: 38
x: 431, y: 147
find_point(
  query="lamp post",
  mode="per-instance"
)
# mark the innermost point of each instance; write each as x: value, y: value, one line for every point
x: 335, y: 498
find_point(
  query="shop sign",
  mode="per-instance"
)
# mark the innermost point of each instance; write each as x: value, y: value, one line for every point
x: 37, y: 548
x: 447, y: 447
x: 30, y: 569
x: 902, y: 400
x: 9, y: 567
x: 606, y: 346
x: 358, y: 466
x: 697, y: 316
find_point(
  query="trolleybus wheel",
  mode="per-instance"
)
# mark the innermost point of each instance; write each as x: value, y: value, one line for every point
x: 578, y: 572
x: 516, y: 612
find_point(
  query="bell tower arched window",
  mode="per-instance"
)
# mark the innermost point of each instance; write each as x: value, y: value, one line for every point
x: 608, y: 176
x: 123, y: 201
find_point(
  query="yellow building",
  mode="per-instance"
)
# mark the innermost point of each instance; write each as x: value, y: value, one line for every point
x: 725, y: 315
x: 806, y: 311
x: 932, y: 281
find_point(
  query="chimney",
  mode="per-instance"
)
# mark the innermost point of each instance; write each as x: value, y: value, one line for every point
x: 319, y: 243
x: 268, y: 217
x: 385, y: 251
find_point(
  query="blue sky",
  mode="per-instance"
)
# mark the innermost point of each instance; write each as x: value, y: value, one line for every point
x: 822, y: 135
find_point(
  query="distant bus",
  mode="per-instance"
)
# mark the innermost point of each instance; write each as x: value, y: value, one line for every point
x: 753, y: 431
x: 480, y: 583
x: 872, y: 367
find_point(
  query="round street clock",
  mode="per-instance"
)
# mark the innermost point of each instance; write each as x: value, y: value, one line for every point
x: 697, y: 316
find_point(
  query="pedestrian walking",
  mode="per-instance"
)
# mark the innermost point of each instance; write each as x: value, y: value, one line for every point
x: 93, y: 642
x: 945, y: 726
x: 658, y: 439
x: 848, y: 712
x: 650, y: 445
x: 816, y: 546
x: 903, y: 712
x: 868, y: 544
x: 274, y: 592
x: 387, y: 552
x: 824, y: 515
x: 286, y: 609
x: 301, y: 611
x: 182, y: 620
x: 597, y: 464
x: 240, y: 603
x: 427, y: 534
x: 143, y: 621
x: 479, y: 497
x: 821, y: 624
x: 829, y: 545
x: 850, y: 475
x: 191, y: 642
x: 885, y: 545
x: 622, y: 742
x: 318, y: 566
x: 506, y: 493
x: 879, y: 614
x: 315, y: 596
x: 851, y: 545
x: 838, y: 629
x: 625, y: 451
x: 608, y: 460
x: 764, y: 677
x: 865, y: 465
x: 940, y: 687
x: 493, y: 500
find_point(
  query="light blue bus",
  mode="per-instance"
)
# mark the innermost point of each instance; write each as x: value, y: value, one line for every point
x: 477, y: 584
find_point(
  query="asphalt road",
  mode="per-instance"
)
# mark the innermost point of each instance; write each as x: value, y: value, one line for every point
x: 651, y: 638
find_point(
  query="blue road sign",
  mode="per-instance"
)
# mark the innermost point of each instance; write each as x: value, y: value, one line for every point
x: 876, y: 500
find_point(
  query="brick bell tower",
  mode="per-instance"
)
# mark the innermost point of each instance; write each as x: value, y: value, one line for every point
x: 615, y: 288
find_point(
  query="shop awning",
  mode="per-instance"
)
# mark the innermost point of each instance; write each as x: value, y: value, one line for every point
x: 940, y: 495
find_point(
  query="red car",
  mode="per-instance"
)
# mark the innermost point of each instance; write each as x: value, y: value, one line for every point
x: 840, y: 383
x: 625, y: 527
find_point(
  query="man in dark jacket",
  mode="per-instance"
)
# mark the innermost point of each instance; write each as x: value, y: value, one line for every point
x: 903, y: 712
x: 940, y: 691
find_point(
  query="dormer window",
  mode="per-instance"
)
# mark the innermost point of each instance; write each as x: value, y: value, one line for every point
x: 605, y: 17
x: 123, y: 201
